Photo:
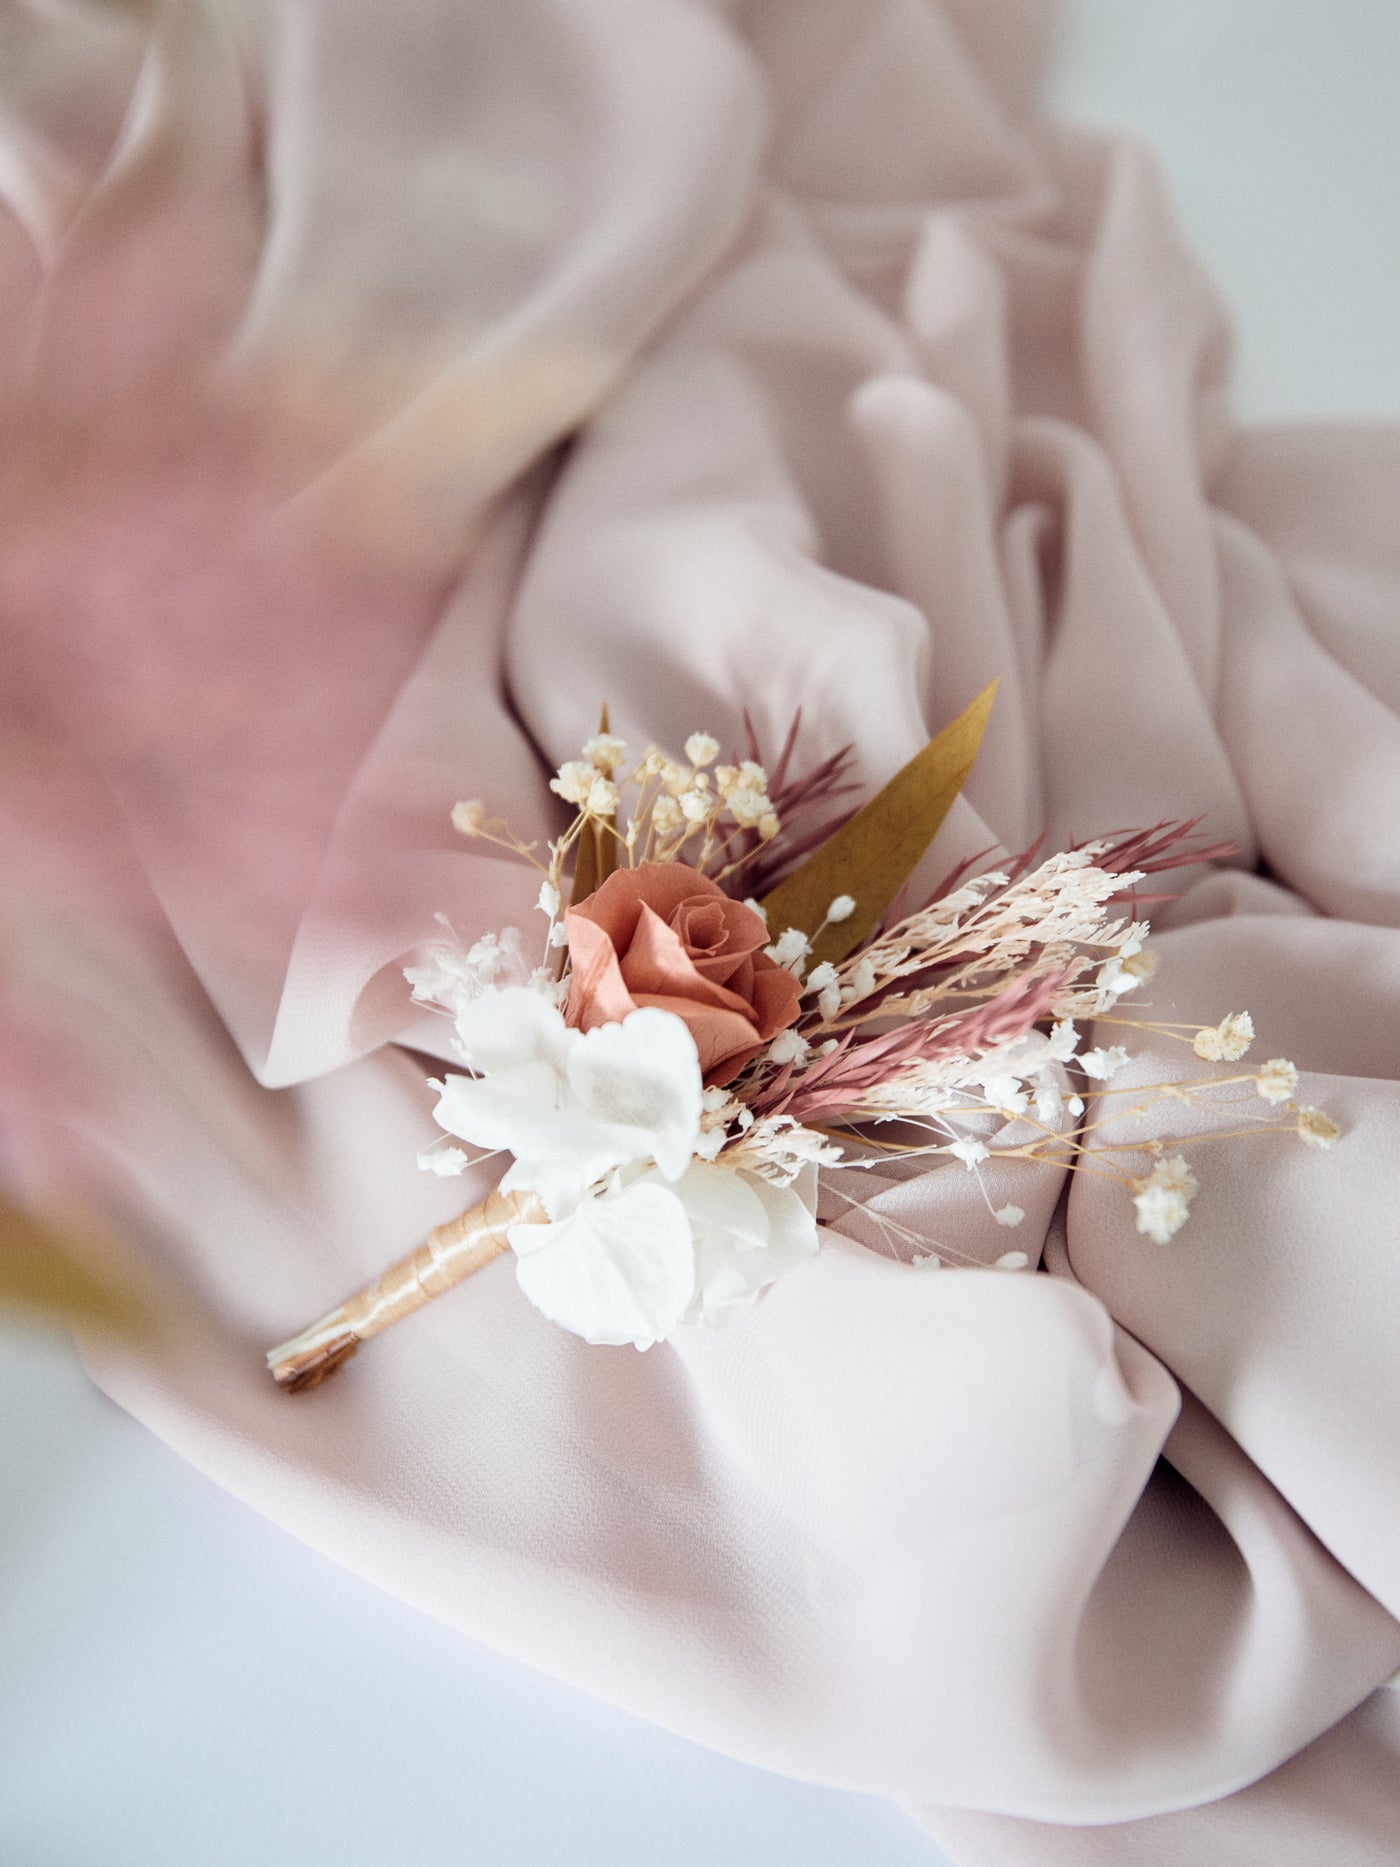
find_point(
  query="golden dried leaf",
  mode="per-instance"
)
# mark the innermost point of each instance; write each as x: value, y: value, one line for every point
x: 40, y: 1271
x: 873, y: 856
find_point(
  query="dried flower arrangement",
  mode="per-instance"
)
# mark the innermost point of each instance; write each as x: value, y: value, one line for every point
x: 731, y: 1002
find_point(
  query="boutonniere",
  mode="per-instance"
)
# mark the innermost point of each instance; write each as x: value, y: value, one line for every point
x: 726, y: 1002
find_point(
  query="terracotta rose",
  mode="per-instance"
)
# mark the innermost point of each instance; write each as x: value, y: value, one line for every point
x: 665, y: 935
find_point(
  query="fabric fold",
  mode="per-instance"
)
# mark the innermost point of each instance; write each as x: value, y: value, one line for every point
x: 381, y: 395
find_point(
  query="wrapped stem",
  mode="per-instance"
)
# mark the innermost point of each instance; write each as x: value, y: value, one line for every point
x: 448, y: 1255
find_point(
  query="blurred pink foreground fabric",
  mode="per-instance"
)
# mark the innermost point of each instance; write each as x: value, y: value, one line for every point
x: 385, y: 387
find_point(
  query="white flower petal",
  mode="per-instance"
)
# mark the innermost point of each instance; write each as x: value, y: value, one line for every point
x: 516, y: 1025
x: 525, y: 1110
x: 619, y: 1269
x: 642, y: 1078
x: 747, y: 1233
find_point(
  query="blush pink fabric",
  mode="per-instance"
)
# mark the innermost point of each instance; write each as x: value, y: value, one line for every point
x: 875, y: 385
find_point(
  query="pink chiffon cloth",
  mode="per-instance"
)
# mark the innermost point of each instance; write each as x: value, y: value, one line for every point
x: 383, y: 389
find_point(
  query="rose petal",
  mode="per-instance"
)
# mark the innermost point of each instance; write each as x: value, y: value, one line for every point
x: 597, y: 991
x: 775, y: 996
x: 656, y: 964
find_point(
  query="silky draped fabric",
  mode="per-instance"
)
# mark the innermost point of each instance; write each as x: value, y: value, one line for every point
x: 380, y: 393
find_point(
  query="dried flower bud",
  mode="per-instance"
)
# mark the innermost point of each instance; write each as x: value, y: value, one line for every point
x: 841, y: 909
x: 468, y: 819
x: 701, y: 749
x: 1317, y: 1129
x: 602, y: 799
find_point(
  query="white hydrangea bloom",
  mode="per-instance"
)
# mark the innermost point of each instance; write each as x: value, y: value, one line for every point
x: 572, y: 1106
x: 616, y: 1269
x: 746, y: 1233
x: 631, y: 1265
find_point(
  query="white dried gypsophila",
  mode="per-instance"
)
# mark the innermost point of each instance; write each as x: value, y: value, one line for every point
x: 749, y: 808
x: 778, y: 1149
x: 451, y: 976
x: 1162, y: 1199
x: 701, y: 749
x: 990, y: 926
x: 970, y: 1151
x: 790, y: 949
x: 574, y: 780
x: 1316, y: 1128
x: 605, y: 752
x: 1119, y: 976
x: 1104, y: 1062
x: 1277, y: 1080
x: 1227, y: 1041
x: 666, y: 815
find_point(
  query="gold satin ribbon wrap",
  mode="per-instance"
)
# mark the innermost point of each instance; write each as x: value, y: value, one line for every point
x: 448, y: 1255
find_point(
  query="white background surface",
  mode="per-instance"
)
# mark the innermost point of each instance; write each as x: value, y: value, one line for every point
x: 181, y: 1683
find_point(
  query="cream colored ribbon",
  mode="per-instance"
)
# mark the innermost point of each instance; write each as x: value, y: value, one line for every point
x: 449, y: 1254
